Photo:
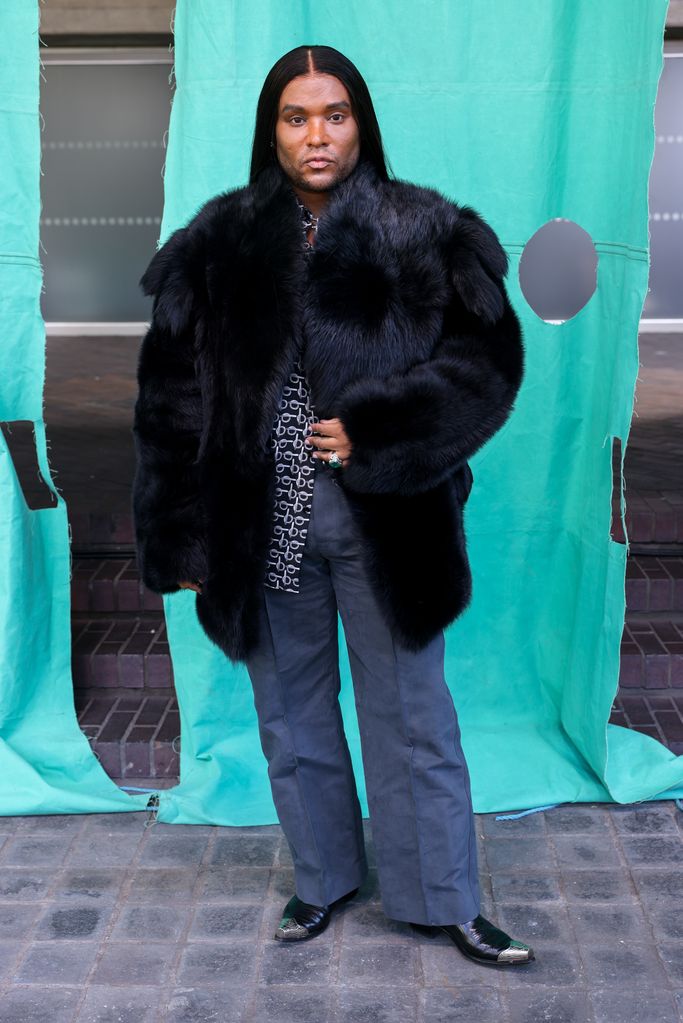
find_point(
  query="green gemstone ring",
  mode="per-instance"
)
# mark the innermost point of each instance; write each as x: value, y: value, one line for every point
x: 335, y: 461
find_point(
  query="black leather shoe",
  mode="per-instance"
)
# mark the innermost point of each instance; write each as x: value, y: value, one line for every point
x: 483, y: 942
x: 301, y: 920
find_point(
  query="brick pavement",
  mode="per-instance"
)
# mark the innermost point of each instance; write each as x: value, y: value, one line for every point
x: 105, y: 919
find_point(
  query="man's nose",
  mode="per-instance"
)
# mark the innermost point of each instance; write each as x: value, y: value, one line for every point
x: 317, y: 132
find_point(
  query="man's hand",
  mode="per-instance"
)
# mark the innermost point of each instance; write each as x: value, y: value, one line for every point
x: 327, y: 436
x: 191, y: 586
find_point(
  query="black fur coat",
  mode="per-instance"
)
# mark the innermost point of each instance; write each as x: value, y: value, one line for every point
x: 411, y: 341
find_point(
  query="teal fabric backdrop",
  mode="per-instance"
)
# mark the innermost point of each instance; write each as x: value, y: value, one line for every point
x: 545, y: 111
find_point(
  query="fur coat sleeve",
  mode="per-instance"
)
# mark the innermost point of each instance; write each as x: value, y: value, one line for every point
x: 412, y: 430
x: 167, y: 429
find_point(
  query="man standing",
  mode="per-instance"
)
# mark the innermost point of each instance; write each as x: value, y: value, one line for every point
x: 328, y: 348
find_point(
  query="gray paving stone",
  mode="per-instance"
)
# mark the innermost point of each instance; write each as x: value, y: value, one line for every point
x: 153, y: 923
x: 667, y: 922
x: 36, y: 850
x: 117, y: 823
x: 525, y: 886
x: 601, y: 924
x: 9, y: 825
x: 47, y: 962
x: 206, y: 962
x: 586, y: 852
x: 529, y: 922
x: 134, y: 962
x: 25, y: 885
x: 301, y: 962
x: 447, y: 1004
x: 96, y: 847
x: 597, y: 886
x: 34, y: 1004
x: 233, y: 884
x: 557, y: 1005
x: 505, y: 854
x: 653, y: 851
x: 532, y: 824
x: 377, y: 1004
x: 218, y: 1005
x: 164, y: 850
x: 646, y: 819
x: 99, y: 884
x: 372, y: 963
x: 303, y: 1004
x: 633, y: 1005
x: 10, y: 953
x: 618, y: 963
x: 119, y: 1005
x: 577, y: 819
x: 671, y: 954
x: 370, y: 921
x: 242, y: 850
x: 17, y: 919
x: 50, y: 824
x: 555, y: 966
x: 71, y: 920
x: 657, y: 887
x: 230, y: 921
x: 174, y: 884
x: 444, y: 966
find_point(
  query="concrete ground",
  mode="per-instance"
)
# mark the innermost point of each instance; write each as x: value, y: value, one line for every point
x: 117, y: 919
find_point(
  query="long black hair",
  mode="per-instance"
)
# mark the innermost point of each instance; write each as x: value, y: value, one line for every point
x: 304, y: 60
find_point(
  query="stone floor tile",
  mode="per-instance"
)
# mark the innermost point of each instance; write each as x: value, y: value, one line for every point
x: 168, y: 850
x: 73, y: 920
x: 532, y: 824
x: 525, y: 886
x: 167, y: 884
x: 152, y: 923
x: 233, y: 884
x: 99, y: 883
x: 235, y: 922
x: 653, y: 850
x: 618, y: 963
x: 119, y: 1005
x: 507, y: 854
x: 133, y: 822
x: 217, y: 1004
x: 25, y: 885
x: 49, y: 962
x: 370, y: 921
x: 444, y: 966
x: 300, y: 1003
x: 602, y: 924
x: 377, y: 1004
x: 134, y: 962
x: 558, y: 1005
x: 586, y: 852
x: 230, y: 963
x: 596, y: 886
x: 35, y: 1004
x: 658, y: 887
x: 555, y: 966
x: 633, y: 1005
x: 298, y: 962
x: 529, y: 922
x: 666, y: 922
x: 36, y: 850
x: 671, y: 954
x: 97, y: 847
x: 650, y: 818
x: 17, y: 919
x: 245, y: 850
x: 577, y: 819
x: 448, y: 1004
x: 51, y: 824
x: 374, y: 963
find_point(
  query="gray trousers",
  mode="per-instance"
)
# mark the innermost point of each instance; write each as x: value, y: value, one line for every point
x: 416, y: 776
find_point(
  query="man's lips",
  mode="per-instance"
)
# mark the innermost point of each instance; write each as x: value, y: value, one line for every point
x: 318, y: 161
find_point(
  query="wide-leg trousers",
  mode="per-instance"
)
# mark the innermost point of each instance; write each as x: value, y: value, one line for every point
x: 416, y: 776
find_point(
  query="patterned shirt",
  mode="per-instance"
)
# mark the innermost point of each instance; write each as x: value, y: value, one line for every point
x: 294, y: 467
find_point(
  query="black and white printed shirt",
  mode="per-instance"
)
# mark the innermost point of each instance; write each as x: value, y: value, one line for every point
x: 294, y: 467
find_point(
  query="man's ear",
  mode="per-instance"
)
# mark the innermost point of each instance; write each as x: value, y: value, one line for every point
x: 478, y: 264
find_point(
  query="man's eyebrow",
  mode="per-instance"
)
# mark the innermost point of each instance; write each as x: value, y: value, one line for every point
x: 330, y: 106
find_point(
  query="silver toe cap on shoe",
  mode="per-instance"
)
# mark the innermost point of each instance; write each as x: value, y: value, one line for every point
x: 291, y: 930
x: 517, y: 952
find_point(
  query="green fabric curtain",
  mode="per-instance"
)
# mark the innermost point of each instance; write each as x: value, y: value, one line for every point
x: 544, y: 111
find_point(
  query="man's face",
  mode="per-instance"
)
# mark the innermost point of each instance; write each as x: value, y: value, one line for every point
x: 315, y: 121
